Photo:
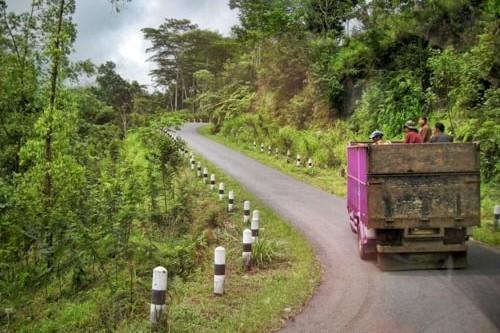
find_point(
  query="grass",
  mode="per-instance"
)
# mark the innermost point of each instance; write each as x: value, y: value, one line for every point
x: 321, y: 178
x: 487, y: 232
x: 332, y: 182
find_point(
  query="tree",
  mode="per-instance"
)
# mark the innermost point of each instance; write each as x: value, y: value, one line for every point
x: 180, y: 49
x: 116, y: 92
x: 169, y: 46
x: 328, y: 16
x: 19, y: 85
x: 262, y: 19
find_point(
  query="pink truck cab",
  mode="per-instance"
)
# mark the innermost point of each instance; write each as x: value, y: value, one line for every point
x: 413, y: 206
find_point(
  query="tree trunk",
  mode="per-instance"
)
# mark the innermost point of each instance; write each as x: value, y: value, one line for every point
x: 176, y: 91
x: 47, y: 183
x: 123, y: 114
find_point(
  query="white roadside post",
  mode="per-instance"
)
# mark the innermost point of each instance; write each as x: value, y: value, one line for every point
x: 230, y: 204
x: 198, y: 173
x: 288, y: 155
x: 261, y: 147
x: 298, y: 160
x: 246, y: 211
x: 255, y: 225
x: 192, y: 163
x: 221, y: 191
x: 277, y: 151
x: 496, y: 215
x: 247, y: 247
x: 158, y: 296
x: 212, y: 182
x: 269, y: 150
x: 219, y: 270
x: 309, y: 163
x: 254, y: 145
x: 205, y: 175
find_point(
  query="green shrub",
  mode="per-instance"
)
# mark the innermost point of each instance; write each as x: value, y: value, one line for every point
x: 265, y: 252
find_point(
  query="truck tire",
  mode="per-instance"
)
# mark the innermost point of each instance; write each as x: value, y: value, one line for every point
x: 362, y: 248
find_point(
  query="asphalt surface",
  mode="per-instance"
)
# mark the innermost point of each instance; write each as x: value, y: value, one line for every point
x: 355, y: 296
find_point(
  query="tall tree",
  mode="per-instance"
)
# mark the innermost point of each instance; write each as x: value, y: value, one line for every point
x: 179, y: 50
x: 115, y: 91
x: 169, y: 45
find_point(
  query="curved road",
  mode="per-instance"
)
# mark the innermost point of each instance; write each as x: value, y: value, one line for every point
x: 355, y: 296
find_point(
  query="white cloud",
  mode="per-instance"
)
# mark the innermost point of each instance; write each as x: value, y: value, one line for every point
x: 105, y: 35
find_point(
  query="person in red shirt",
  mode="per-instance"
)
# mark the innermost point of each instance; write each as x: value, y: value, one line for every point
x: 412, y: 135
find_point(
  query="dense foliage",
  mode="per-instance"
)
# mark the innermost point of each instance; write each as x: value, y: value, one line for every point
x: 318, y: 73
x: 90, y: 184
x: 94, y: 193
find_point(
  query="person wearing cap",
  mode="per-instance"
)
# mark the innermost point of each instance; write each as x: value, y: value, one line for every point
x: 439, y: 135
x: 377, y: 136
x: 412, y: 135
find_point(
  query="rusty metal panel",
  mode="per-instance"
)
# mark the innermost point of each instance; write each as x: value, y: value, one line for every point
x: 423, y: 200
x: 423, y: 158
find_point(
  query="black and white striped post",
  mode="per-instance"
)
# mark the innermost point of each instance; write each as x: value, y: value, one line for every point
x: 230, y: 204
x: 496, y: 215
x: 254, y: 145
x: 192, y: 162
x: 205, y: 175
x: 255, y: 225
x: 221, y: 191
x: 158, y: 296
x: 298, y: 160
x: 247, y: 247
x: 246, y: 211
x: 261, y: 147
x: 212, y: 182
x: 269, y: 149
x: 309, y: 163
x: 288, y: 155
x: 219, y: 270
x: 198, y: 173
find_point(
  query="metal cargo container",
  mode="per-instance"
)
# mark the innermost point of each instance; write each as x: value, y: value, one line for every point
x: 413, y: 206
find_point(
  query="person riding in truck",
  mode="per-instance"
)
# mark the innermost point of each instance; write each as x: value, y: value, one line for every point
x: 425, y: 131
x: 377, y: 138
x: 439, y: 135
x: 412, y: 135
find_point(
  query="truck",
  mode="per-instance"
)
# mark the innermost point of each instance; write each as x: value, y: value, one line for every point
x: 413, y: 206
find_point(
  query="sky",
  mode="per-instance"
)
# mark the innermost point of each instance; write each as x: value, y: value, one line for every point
x: 106, y: 35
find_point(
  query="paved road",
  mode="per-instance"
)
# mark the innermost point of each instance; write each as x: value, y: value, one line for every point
x: 355, y: 296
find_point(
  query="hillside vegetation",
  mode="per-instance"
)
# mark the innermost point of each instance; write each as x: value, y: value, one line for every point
x: 94, y: 194
x: 317, y: 74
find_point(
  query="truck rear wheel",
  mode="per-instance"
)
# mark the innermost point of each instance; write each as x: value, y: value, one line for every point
x: 363, y: 249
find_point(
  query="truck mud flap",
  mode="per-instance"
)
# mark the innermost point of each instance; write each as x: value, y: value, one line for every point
x: 412, y: 261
